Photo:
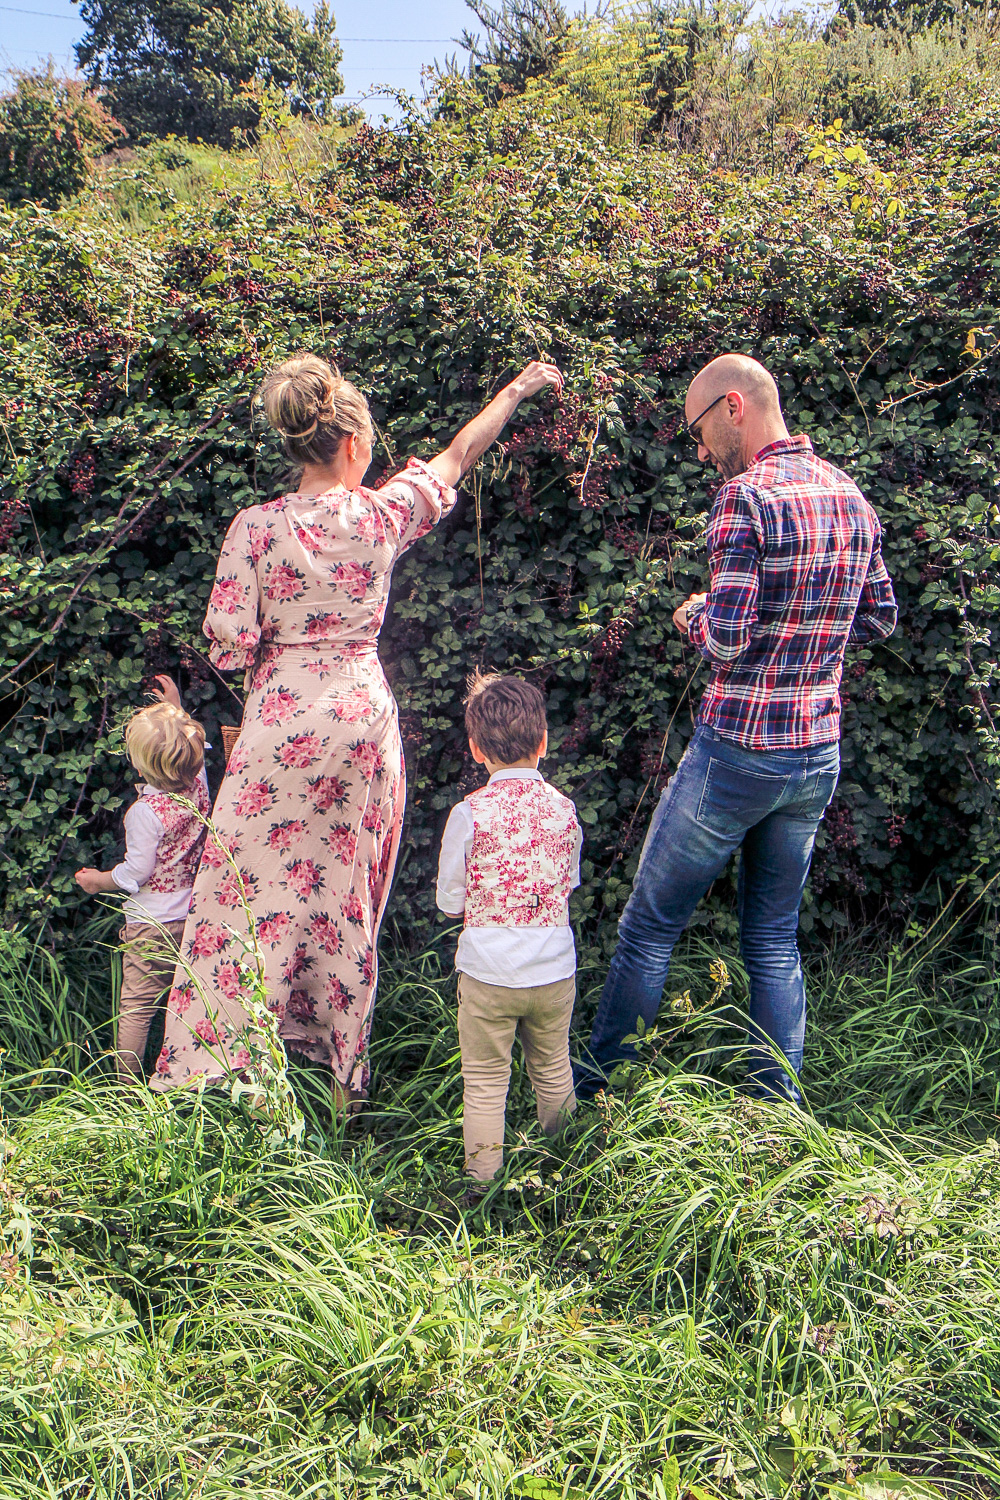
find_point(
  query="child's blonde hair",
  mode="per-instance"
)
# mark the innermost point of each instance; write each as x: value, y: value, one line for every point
x: 166, y: 746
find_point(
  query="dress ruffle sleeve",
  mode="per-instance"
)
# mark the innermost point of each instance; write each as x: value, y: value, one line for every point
x: 414, y: 501
x: 232, y: 623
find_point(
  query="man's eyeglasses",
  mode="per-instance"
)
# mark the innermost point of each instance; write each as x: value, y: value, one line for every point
x: 693, y: 429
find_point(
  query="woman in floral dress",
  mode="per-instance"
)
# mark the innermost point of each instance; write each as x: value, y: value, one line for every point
x: 311, y: 807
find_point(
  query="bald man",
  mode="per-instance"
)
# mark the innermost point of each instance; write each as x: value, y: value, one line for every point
x: 796, y: 571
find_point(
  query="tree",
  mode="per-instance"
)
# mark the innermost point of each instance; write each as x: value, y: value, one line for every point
x: 51, y: 130
x: 191, y: 67
x: 524, y: 39
x: 913, y: 15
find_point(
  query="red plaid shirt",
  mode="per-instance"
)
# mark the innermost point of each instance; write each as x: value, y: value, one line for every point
x: 794, y: 552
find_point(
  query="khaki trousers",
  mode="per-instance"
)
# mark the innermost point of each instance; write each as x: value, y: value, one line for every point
x: 489, y: 1017
x: 149, y: 957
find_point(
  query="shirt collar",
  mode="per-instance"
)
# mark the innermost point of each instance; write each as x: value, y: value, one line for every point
x: 516, y: 773
x: 797, y: 444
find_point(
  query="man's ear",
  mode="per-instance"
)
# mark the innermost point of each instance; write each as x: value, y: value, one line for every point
x: 736, y: 404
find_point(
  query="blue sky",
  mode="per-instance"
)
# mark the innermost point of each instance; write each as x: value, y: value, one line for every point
x: 408, y: 36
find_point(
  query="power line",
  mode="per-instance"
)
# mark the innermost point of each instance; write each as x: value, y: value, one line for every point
x: 53, y: 15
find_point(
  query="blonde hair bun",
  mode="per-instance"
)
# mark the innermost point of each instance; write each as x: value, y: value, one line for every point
x: 313, y: 407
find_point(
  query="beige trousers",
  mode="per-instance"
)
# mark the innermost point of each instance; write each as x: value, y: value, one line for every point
x: 489, y: 1017
x: 149, y: 957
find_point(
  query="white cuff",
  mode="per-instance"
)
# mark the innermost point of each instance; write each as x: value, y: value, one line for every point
x: 124, y: 881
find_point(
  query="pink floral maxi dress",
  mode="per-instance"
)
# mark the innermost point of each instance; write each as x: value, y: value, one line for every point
x: 311, y: 807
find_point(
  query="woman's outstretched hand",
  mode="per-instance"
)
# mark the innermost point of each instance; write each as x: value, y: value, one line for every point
x: 536, y: 376
x: 478, y: 435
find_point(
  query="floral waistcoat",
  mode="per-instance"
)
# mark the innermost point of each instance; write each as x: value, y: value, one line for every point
x: 519, y: 869
x: 179, y: 850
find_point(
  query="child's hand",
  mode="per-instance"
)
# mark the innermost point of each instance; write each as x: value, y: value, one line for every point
x: 95, y: 881
x: 167, y: 692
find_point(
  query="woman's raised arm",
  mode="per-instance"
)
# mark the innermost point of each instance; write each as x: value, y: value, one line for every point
x: 476, y: 436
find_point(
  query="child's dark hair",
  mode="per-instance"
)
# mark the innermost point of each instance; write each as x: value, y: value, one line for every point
x: 505, y: 716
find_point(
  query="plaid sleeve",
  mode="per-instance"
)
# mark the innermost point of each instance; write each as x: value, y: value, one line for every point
x: 722, y: 627
x: 875, y: 617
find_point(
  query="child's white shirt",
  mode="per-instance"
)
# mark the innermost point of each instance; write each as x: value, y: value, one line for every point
x: 515, y: 957
x: 144, y: 832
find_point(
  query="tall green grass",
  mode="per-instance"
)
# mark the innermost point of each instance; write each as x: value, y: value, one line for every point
x: 779, y: 1303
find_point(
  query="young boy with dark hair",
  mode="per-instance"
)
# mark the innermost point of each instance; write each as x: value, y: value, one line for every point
x: 509, y: 858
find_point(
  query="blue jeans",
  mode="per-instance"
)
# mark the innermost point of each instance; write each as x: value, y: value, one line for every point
x: 721, y: 798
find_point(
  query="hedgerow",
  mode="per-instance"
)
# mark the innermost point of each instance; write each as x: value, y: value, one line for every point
x: 430, y: 261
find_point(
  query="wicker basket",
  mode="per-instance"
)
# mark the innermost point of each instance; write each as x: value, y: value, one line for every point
x: 230, y: 734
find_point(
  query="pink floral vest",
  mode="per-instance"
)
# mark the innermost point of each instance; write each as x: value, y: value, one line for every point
x: 519, y: 868
x: 179, y: 850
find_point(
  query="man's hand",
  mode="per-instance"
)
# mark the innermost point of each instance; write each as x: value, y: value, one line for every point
x: 95, y: 881
x: 167, y: 691
x: 681, y: 613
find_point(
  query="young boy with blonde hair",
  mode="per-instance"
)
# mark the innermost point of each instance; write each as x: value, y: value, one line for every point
x: 510, y: 856
x: 163, y: 844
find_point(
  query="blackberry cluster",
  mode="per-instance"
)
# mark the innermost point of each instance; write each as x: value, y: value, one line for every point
x: 624, y: 537
x: 836, y: 865
x: 511, y: 137
x: 653, y: 764
x: 592, y: 483
x: 607, y: 649
x: 969, y: 290
x: 11, y: 512
x: 195, y: 665
x: 838, y: 821
x: 249, y: 359
x: 674, y: 357
x: 156, y: 654
x: 511, y: 178
x: 894, y: 830
x: 191, y: 264
x: 248, y: 290
x: 102, y: 396
x: 578, y: 731
x: 772, y: 316
x: 91, y: 343
x: 558, y: 431
x: 411, y: 729
x: 668, y: 430
x: 82, y: 474
x: 198, y: 321
x: 521, y: 494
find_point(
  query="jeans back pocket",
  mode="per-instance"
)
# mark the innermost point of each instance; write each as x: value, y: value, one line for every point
x: 817, y: 794
x: 734, y: 799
